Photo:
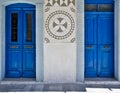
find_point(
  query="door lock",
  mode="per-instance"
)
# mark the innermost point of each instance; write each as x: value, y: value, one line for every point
x: 13, y: 46
x: 29, y: 47
x: 90, y: 46
x: 106, y: 47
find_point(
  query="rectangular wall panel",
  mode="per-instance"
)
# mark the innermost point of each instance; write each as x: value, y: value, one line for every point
x: 60, y: 40
x: 60, y: 21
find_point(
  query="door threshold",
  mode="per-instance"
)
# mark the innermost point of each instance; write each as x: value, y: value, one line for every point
x: 100, y: 79
x: 19, y: 79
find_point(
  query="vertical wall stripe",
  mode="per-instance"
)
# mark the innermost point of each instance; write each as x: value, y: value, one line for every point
x: 80, y: 40
x: 1, y: 42
x: 118, y: 38
x: 39, y: 43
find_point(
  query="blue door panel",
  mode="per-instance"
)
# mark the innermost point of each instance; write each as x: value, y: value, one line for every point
x: 106, y: 29
x: 14, y: 64
x: 90, y: 29
x: 8, y: 26
x: 29, y: 63
x: 98, y: 1
x: 106, y: 59
x: 29, y: 46
x: 13, y: 49
x: 32, y: 13
x: 90, y: 61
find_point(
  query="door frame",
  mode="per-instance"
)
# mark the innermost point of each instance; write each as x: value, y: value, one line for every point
x: 39, y: 36
x: 80, y: 40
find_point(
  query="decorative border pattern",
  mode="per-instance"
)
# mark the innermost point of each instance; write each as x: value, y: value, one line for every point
x: 47, y: 40
x: 73, y: 40
x: 61, y: 3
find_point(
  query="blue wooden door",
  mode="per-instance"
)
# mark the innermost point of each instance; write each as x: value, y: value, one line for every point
x: 99, y: 35
x: 20, y: 41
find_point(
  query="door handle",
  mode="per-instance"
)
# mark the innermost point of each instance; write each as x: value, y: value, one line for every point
x: 89, y: 47
x: 13, y: 46
x: 28, y: 47
x: 106, y: 46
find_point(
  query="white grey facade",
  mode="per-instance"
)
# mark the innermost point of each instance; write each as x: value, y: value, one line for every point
x: 59, y: 60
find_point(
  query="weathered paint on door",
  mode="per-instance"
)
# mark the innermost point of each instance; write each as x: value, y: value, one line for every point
x: 20, y: 40
x: 99, y: 44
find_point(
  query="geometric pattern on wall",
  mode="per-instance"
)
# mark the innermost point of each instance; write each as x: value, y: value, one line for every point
x: 62, y: 3
x: 60, y: 25
x: 60, y: 21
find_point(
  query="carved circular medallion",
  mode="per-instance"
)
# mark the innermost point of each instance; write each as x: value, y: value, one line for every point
x: 60, y: 25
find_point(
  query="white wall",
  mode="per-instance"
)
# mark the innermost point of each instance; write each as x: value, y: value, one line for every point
x: 63, y: 59
x: 59, y: 52
x: 60, y: 62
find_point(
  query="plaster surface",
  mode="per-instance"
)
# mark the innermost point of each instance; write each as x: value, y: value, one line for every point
x: 60, y: 62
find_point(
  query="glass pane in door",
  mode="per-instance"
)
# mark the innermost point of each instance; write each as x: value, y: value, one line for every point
x: 29, y: 27
x: 14, y: 27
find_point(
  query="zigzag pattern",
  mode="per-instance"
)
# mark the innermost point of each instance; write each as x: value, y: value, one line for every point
x: 62, y: 3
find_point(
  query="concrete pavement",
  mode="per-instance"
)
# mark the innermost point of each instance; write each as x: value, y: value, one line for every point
x: 89, y: 86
